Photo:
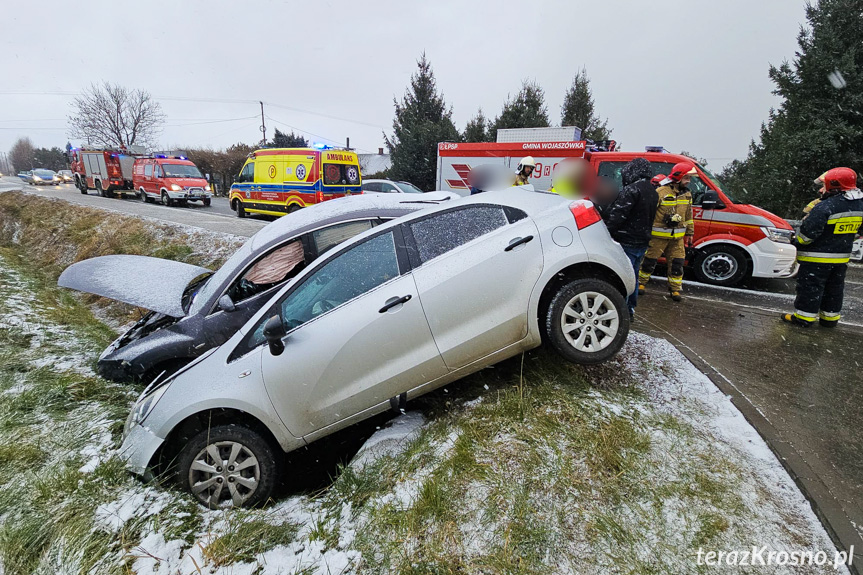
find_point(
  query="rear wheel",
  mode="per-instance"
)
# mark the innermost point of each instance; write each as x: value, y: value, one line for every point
x: 228, y: 466
x: 238, y: 207
x: 294, y: 208
x: 587, y: 321
x: 721, y: 264
x: 143, y: 195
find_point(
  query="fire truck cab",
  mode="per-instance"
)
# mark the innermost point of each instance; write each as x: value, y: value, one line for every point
x: 733, y: 241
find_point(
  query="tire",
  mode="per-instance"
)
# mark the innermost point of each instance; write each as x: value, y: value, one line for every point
x: 570, y: 313
x: 82, y: 185
x: 207, y: 201
x: 238, y: 207
x: 100, y: 189
x: 142, y: 195
x: 294, y: 208
x: 166, y: 200
x: 721, y: 264
x: 247, y: 487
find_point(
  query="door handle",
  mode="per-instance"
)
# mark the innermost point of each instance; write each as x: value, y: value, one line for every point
x: 515, y: 242
x: 394, y: 301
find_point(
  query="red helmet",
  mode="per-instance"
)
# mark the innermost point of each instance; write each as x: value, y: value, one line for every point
x: 681, y: 169
x: 657, y: 179
x: 840, y: 179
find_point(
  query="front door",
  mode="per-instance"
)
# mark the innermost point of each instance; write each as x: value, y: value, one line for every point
x: 477, y: 268
x: 357, y: 337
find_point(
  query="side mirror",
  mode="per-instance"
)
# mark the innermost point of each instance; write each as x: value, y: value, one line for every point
x: 226, y: 303
x: 710, y: 201
x: 274, y: 331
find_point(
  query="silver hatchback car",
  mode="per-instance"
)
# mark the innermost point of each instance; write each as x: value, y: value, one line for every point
x: 393, y: 313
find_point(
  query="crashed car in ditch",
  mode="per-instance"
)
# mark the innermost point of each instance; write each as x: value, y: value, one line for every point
x: 194, y: 309
x: 392, y: 313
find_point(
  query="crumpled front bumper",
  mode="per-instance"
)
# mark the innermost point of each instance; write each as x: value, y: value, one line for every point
x: 138, y: 448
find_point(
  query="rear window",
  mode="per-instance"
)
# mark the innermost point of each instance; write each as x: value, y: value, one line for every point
x: 341, y: 175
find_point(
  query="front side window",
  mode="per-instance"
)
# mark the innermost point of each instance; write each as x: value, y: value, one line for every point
x: 327, y: 238
x: 372, y: 187
x: 248, y: 173
x: 341, y: 175
x: 438, y: 234
x: 347, y: 276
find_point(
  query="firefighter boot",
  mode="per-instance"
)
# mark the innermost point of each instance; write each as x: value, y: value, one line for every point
x: 675, y: 295
x: 828, y: 319
x: 795, y: 319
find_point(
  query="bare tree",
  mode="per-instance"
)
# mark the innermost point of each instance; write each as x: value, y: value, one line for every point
x: 22, y: 154
x: 112, y: 115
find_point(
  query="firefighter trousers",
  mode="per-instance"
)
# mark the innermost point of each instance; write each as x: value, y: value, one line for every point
x: 820, y: 288
x: 675, y: 255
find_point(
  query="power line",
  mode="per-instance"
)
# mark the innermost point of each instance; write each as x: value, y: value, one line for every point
x: 337, y: 142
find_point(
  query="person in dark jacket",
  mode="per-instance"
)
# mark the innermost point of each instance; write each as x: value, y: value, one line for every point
x: 824, y: 245
x: 630, y: 218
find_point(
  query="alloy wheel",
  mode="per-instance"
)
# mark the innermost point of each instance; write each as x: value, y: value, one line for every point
x: 589, y: 321
x: 224, y: 473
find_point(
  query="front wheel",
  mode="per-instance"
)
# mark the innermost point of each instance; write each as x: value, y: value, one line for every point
x: 82, y: 185
x: 228, y: 466
x: 166, y: 199
x: 587, y: 321
x: 721, y: 265
x: 241, y: 211
x: 207, y: 201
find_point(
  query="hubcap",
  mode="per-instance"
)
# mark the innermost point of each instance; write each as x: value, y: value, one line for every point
x: 220, y: 465
x: 589, y: 322
x: 719, y: 266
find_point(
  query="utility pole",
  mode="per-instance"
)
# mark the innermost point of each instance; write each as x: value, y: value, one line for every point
x: 263, y: 126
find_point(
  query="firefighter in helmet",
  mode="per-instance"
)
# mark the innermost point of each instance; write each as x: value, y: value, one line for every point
x: 524, y: 170
x: 673, y: 229
x: 655, y: 180
x: 824, y: 244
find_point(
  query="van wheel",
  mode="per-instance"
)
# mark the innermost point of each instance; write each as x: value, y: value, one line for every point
x: 143, y: 196
x: 721, y: 265
x: 207, y: 201
x: 241, y: 211
x: 166, y: 199
x: 228, y: 466
x: 587, y: 321
x: 294, y: 208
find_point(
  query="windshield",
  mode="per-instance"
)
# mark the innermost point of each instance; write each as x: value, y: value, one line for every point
x: 192, y: 290
x: 44, y: 173
x: 181, y: 171
x: 409, y: 188
x: 716, y: 182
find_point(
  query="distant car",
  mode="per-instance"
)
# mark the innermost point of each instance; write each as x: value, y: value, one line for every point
x: 42, y: 177
x: 857, y: 250
x: 389, y: 187
x: 66, y: 176
x: 27, y: 176
x: 194, y: 309
x: 395, y: 312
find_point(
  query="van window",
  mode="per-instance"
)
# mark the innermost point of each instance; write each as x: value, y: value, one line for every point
x: 341, y: 175
x: 148, y: 170
x: 248, y: 173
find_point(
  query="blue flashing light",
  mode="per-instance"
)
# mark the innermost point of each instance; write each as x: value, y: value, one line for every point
x: 320, y: 146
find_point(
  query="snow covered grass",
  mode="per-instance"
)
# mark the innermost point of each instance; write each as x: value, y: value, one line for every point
x: 533, y: 466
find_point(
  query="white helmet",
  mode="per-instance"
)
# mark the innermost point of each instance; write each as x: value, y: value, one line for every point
x: 526, y: 161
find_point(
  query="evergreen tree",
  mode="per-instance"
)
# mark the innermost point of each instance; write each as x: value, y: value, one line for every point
x: 476, y: 129
x: 526, y: 110
x: 579, y: 109
x: 422, y: 120
x: 283, y: 140
x: 819, y: 124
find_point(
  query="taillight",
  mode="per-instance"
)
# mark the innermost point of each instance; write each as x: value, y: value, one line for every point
x: 585, y: 213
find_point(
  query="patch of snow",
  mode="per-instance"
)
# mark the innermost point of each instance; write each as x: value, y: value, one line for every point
x: 390, y: 440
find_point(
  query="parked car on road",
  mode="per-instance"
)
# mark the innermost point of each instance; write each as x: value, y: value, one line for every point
x: 389, y: 187
x: 171, y: 180
x: 398, y: 310
x: 194, y: 309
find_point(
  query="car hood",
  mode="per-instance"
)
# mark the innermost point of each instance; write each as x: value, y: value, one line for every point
x: 151, y: 283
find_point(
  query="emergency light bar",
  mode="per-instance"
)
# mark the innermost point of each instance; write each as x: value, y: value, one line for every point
x: 655, y: 149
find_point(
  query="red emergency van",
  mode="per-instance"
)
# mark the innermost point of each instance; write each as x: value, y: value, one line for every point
x: 733, y: 241
x: 170, y: 179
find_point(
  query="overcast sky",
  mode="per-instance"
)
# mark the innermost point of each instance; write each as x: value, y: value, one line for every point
x: 685, y: 74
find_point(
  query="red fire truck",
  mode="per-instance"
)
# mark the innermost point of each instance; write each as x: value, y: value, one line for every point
x: 106, y: 170
x: 733, y: 241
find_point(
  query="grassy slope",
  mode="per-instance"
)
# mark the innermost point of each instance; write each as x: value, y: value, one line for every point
x: 534, y: 466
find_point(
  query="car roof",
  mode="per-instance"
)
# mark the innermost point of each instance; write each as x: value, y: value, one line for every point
x: 343, y: 209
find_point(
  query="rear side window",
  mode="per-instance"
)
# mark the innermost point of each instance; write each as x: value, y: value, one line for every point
x: 341, y: 175
x: 332, y: 236
x: 148, y: 170
x: 439, y: 234
x: 372, y: 187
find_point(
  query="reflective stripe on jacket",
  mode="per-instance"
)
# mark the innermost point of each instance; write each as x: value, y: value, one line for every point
x: 827, y: 234
x: 673, y: 200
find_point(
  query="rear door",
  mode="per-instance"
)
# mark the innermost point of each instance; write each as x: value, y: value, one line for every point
x: 475, y: 268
